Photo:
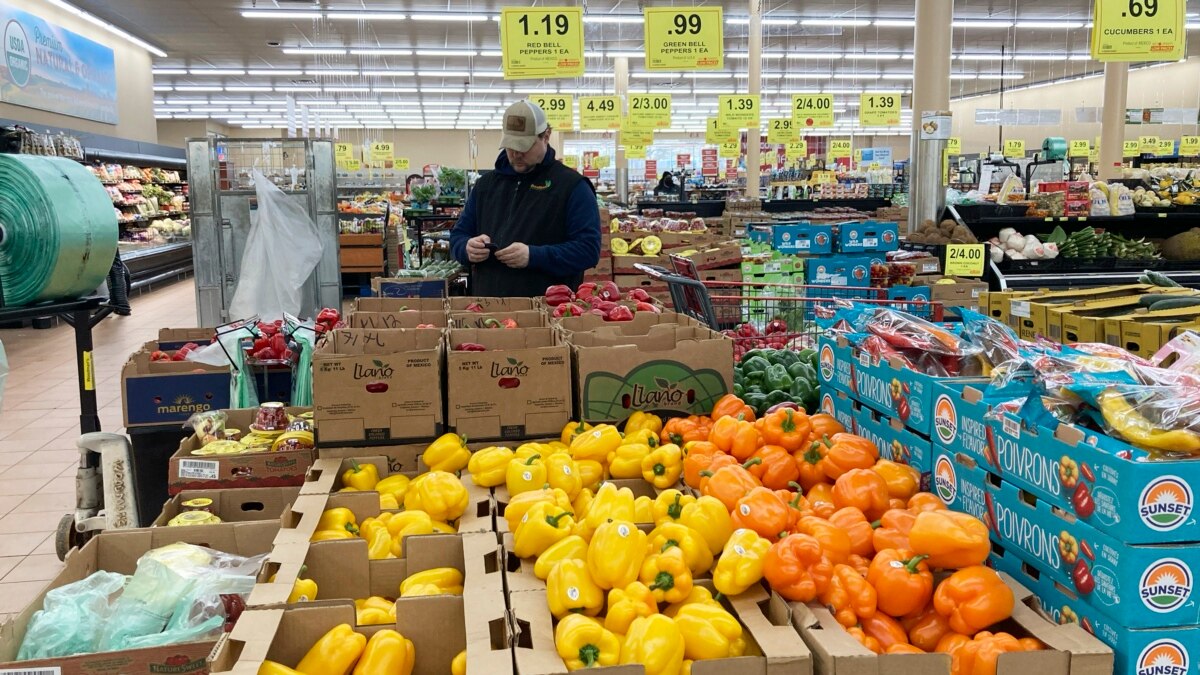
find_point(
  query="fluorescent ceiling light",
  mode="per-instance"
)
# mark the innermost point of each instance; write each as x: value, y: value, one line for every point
x: 612, y: 18
x: 1040, y: 57
x: 387, y: 73
x: 327, y: 51
x: 365, y: 16
x: 274, y: 73
x: 169, y: 71
x: 898, y: 76
x: 198, y: 88
x: 93, y: 19
x: 815, y: 55
x: 1192, y: 26
x: 278, y: 14
x: 450, y: 16
x: 1080, y: 57
x: 622, y: 53
x: 856, y: 76
x: 380, y: 51
x: 744, y: 21
x: 395, y: 90
x: 444, y: 73
x: 444, y: 90
x: 982, y: 23
x: 836, y: 22
x: 446, y: 52
x: 347, y: 90
x: 746, y: 56
x: 492, y: 53
x: 1050, y: 24
x: 1005, y: 76
x: 962, y: 76
x: 895, y: 23
x: 246, y: 88
x: 808, y: 76
x: 332, y: 72
x: 978, y: 57
x: 217, y: 71
x: 305, y: 87
x: 163, y: 87
x: 863, y: 56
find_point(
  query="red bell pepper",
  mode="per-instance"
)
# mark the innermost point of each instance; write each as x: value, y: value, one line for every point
x: 586, y: 291
x: 508, y: 323
x: 469, y: 347
x: 619, y: 313
x: 558, y: 294
x: 567, y: 309
x: 639, y: 295
x: 609, y: 291
x: 475, y: 307
x: 647, y: 307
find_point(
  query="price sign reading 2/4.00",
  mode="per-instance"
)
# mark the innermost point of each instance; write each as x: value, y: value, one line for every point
x: 690, y: 38
x: 650, y: 111
x: 600, y: 112
x: 541, y: 42
x: 964, y: 260
x: 812, y: 110
x: 559, y: 110
x: 879, y: 110
x: 738, y: 111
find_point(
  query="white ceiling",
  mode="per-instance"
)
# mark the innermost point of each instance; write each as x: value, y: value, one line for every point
x: 443, y: 70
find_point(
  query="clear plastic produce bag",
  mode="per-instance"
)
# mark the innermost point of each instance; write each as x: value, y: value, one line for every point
x: 304, y: 334
x: 72, y: 618
x: 282, y: 250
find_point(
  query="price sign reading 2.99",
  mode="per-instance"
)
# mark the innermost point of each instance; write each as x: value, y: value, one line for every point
x: 559, y: 110
x: 690, y: 38
x: 812, y: 110
x: 541, y: 42
x: 600, y: 112
x: 650, y: 111
x: 879, y: 110
x: 738, y: 111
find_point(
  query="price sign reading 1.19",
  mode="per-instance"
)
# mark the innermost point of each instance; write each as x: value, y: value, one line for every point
x: 781, y: 130
x: 689, y: 38
x: 599, y: 112
x: 879, y: 110
x: 650, y: 111
x: 1138, y: 30
x: 738, y: 111
x: 812, y: 110
x: 541, y: 42
x: 560, y: 110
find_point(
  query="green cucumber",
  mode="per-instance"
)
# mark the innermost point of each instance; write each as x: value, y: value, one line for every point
x: 1151, y: 298
x: 1176, y: 303
x: 1160, y: 279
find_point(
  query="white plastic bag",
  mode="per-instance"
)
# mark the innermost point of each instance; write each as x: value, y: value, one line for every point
x: 282, y: 250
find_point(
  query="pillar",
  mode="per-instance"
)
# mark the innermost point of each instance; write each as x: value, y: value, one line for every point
x: 754, y: 86
x: 621, y: 70
x: 1112, y: 122
x: 931, y: 92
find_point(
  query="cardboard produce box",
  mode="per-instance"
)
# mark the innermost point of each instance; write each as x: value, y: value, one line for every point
x: 1031, y: 313
x: 256, y: 469
x: 174, y: 338
x: 399, y: 304
x: 519, y: 388
x: 118, y: 551
x: 628, y: 282
x: 627, y: 264
x: 236, y: 505
x: 840, y: 405
x: 462, y: 304
x: 668, y: 368
x: 169, y: 392
x: 406, y: 319
x: 895, y: 441
x: 961, y: 293
x: 373, y: 386
x: 641, y: 324
x: 525, y: 318
x: 1144, y: 332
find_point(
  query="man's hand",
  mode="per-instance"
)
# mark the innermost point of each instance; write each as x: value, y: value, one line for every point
x: 476, y: 250
x: 515, y: 255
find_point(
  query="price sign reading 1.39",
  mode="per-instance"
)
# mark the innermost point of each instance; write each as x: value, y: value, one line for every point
x: 560, y: 110
x: 739, y: 111
x: 650, y: 111
x: 689, y: 38
x: 879, y: 110
x: 600, y: 112
x: 1138, y: 30
x: 812, y: 110
x: 541, y: 42
x: 781, y: 130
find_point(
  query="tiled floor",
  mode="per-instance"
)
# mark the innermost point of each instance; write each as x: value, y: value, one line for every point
x: 39, y: 423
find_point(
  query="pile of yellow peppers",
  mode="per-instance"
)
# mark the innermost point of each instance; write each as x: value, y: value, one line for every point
x: 342, y: 651
x: 377, y: 609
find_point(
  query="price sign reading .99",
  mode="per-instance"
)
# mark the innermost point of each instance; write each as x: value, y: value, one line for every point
x: 738, y: 111
x: 879, y: 110
x: 559, y: 109
x: 542, y: 42
x: 684, y: 38
x: 812, y: 110
x: 650, y: 111
x: 599, y: 112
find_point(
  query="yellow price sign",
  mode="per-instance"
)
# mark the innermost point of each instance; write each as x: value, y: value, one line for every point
x: 781, y: 130
x: 402, y: 163
x: 559, y: 109
x: 382, y: 155
x: 541, y: 42
x: 1094, y: 155
x: 352, y: 164
x: 823, y: 178
x: 964, y: 260
x: 812, y: 110
x: 1079, y: 148
x: 1147, y: 145
x: 1189, y: 146
x: 857, y: 156
x: 635, y: 152
x: 739, y: 111
x: 839, y: 148
x: 571, y: 162
x: 600, y: 112
x: 796, y: 150
x: 1166, y: 147
x: 1014, y: 148
x: 1138, y: 30
x: 637, y: 136
x: 684, y: 38
x: 730, y: 150
x: 879, y: 110
x: 715, y: 134
x: 342, y: 153
x: 649, y: 111
x: 954, y: 146
x: 1131, y: 148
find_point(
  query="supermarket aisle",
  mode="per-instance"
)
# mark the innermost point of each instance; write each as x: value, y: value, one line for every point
x: 39, y: 423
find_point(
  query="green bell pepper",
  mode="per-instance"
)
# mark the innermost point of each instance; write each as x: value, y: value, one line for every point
x: 777, y: 378
x: 738, y: 391
x: 756, y: 401
x: 754, y: 364
x: 760, y: 353
x: 801, y: 370
x: 774, y: 397
x: 754, y: 389
x: 786, y: 357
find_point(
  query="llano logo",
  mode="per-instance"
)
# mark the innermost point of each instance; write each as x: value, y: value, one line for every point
x: 945, y: 483
x: 1163, y: 657
x: 278, y: 462
x: 1166, y: 585
x: 1165, y: 504
x: 945, y: 419
x: 514, y: 368
x: 825, y: 363
x: 666, y: 393
x: 183, y: 404
x: 381, y: 371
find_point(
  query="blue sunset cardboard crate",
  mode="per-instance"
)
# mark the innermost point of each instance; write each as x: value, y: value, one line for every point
x: 169, y: 392
x: 895, y: 441
x: 839, y: 404
x: 838, y: 270
x: 870, y: 236
x: 806, y: 238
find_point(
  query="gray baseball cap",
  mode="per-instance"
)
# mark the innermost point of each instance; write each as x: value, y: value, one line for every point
x: 524, y: 121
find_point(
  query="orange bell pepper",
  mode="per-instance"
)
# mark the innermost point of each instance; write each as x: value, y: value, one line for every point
x: 859, y: 563
x: 849, y: 597
x: 925, y: 501
x: 885, y: 629
x: 862, y: 489
x: 1032, y: 644
x: 732, y: 406
x: 730, y: 483
x: 894, y: 503
x: 797, y: 505
x: 855, y: 525
x: 820, y: 500
x: 808, y: 461
x: 737, y: 437
x: 823, y: 425
x: 926, y: 628
x: 866, y: 640
x: 796, y: 568
x: 972, y: 599
x: 681, y: 430
x: 951, y: 642
x: 893, y: 529
x: 777, y: 469
x: 763, y: 511
x: 834, y: 542
x: 903, y: 580
x: 695, y: 463
x: 902, y: 480
x: 979, y: 656
x: 951, y: 539
x: 847, y: 451
x: 902, y: 648
x: 786, y: 428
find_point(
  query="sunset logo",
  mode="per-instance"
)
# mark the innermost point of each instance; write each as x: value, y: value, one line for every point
x: 1166, y: 585
x: 1163, y: 657
x: 826, y: 363
x: 945, y: 482
x: 945, y: 419
x: 827, y: 404
x: 1165, y: 504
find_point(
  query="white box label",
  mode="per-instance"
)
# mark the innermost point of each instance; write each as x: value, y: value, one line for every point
x: 199, y: 469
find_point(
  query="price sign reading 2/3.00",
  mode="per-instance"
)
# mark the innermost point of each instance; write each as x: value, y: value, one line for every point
x: 879, y: 110
x: 600, y: 112
x: 964, y: 260
x: 541, y: 42
x: 559, y: 110
x: 812, y: 110
x: 1138, y: 30
x: 689, y: 38
x: 650, y: 111
x: 738, y: 111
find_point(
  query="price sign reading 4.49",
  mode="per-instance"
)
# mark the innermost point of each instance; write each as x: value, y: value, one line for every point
x: 650, y: 111
x: 812, y: 110
x: 1138, y: 30
x: 879, y: 110
x: 781, y: 130
x: 690, y: 38
x: 541, y: 42
x: 560, y: 110
x: 739, y: 111
x: 600, y: 112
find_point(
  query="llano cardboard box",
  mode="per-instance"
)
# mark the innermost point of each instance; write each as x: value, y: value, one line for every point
x: 375, y: 386
x: 118, y: 551
x: 169, y: 392
x: 410, y: 318
x: 526, y: 318
x: 519, y: 388
x: 255, y: 469
x: 399, y: 304
x: 668, y: 368
x: 237, y: 505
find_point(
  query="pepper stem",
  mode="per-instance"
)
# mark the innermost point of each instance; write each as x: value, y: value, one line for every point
x: 553, y: 520
x: 589, y: 654
x: 529, y: 462
x: 659, y: 469
x: 669, y: 543
x: 751, y: 462
x: 675, y: 509
x: 911, y: 563
x: 354, y: 465
x: 663, y: 581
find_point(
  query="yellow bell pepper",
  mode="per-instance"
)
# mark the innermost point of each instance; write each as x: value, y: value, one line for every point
x: 610, y: 503
x: 741, y: 562
x: 443, y: 528
x: 583, y: 643
x: 340, y: 518
x: 459, y: 665
x: 615, y: 553
x: 541, y: 527
x: 643, y: 510
x: 388, y: 502
x: 361, y: 476
x: 557, y: 446
x: 395, y: 485
x: 695, y: 550
x: 668, y: 506
x: 563, y: 473
x: 663, y: 466
x: 526, y: 450
x: 330, y: 535
x: 642, y: 436
x: 387, y: 653
x: 487, y: 467
x: 379, y: 546
x: 625, y: 461
x: 439, y: 580
x: 708, y: 516
x: 303, y: 590
x: 520, y: 504
x: 656, y: 643
x: 643, y: 420
x: 335, y: 652
x: 667, y: 575
x: 376, y: 602
x: 572, y: 546
x: 571, y: 589
x: 709, y: 632
x: 627, y: 604
x: 525, y: 475
x: 448, y: 453
x: 572, y: 430
x: 597, y: 443
x: 373, y: 616
x: 275, y: 668
x: 349, y: 489
x: 582, y: 503
x: 406, y: 524
x: 591, y: 473
x: 699, y: 595
x: 438, y: 493
x: 368, y: 527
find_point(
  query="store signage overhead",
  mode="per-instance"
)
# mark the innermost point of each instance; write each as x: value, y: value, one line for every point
x: 383, y: 155
x: 1079, y: 148
x: 964, y: 260
x: 840, y: 148
x: 1166, y: 147
x: 739, y: 111
x: 600, y: 112
x: 1131, y: 148
x: 797, y: 150
x: 812, y: 110
x: 559, y: 109
x: 954, y: 146
x: 1147, y: 145
x: 651, y: 172
x: 781, y: 130
x: 342, y: 154
x: 715, y: 134
x: 730, y: 150
x: 633, y: 136
x: 684, y: 38
x: 541, y: 42
x: 635, y: 152
x: 649, y: 111
x: 1014, y: 148
x: 1189, y: 146
x: 879, y: 109
x: 1138, y: 30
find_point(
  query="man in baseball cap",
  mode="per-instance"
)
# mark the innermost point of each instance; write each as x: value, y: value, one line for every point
x: 532, y: 222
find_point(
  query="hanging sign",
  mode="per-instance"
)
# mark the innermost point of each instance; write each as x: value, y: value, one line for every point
x: 715, y: 134
x: 683, y: 159
x: 541, y: 42
x: 1189, y: 146
x: 1138, y: 30
x: 635, y: 152
x: 684, y: 38
x: 643, y: 137
x: 352, y: 165
x: 589, y: 164
x: 342, y: 154
x: 651, y: 169
x: 601, y: 162
x: 571, y: 162
x: 559, y: 109
x: 1131, y: 148
x: 382, y: 155
x: 1079, y: 148
x: 739, y: 111
x: 402, y: 163
x: 954, y: 146
x: 1094, y: 155
x: 1014, y: 148
x: 731, y: 150
x: 879, y: 109
x: 1166, y: 147
x: 649, y: 111
x: 731, y: 169
x: 857, y: 156
x: 710, y: 165
x: 812, y: 110
x: 796, y: 150
x: 600, y: 112
x: 839, y: 148
x: 781, y: 130
x: 1147, y: 145
x: 964, y: 260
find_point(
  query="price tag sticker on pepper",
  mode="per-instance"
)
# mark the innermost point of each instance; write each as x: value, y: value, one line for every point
x: 964, y: 260
x: 541, y: 42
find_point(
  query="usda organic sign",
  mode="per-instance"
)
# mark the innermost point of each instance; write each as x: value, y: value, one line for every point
x: 16, y: 53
